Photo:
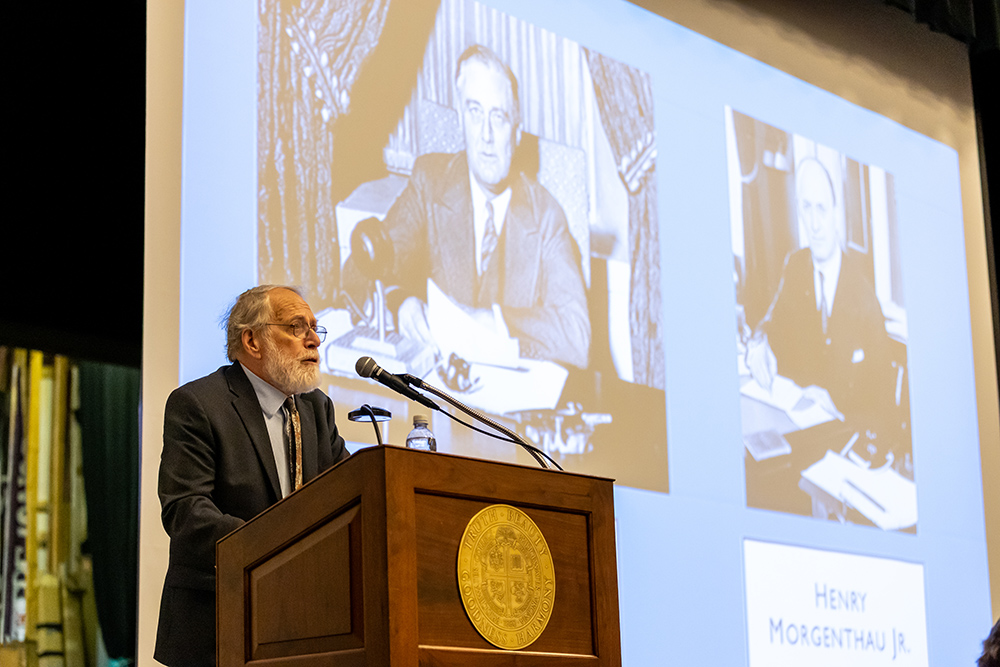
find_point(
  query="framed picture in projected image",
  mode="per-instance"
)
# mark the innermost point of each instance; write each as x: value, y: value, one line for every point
x: 470, y: 198
x: 821, y: 330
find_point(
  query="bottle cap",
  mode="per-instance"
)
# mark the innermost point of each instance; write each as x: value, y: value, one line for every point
x: 420, y: 419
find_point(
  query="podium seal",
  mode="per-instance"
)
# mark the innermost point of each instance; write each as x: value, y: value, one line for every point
x: 505, y: 577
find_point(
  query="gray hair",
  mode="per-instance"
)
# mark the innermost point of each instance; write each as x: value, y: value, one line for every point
x: 250, y: 312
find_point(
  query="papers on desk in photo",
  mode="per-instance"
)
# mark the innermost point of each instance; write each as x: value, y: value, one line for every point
x: 506, y: 382
x: 455, y: 330
x: 786, y: 396
x: 882, y: 495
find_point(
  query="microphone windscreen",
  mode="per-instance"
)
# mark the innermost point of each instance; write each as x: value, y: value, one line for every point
x: 365, y: 367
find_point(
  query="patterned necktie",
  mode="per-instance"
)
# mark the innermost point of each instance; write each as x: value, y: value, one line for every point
x: 823, y: 308
x: 293, y: 434
x: 489, y: 240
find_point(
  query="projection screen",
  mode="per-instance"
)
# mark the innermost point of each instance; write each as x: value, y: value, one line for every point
x: 740, y: 295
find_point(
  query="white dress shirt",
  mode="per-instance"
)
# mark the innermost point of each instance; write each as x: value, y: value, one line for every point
x: 271, y: 400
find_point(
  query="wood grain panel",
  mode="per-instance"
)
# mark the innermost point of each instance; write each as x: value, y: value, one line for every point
x: 442, y: 620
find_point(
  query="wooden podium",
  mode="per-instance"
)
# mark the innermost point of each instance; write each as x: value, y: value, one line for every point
x: 359, y: 567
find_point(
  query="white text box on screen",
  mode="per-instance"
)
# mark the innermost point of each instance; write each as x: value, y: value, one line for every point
x: 812, y: 607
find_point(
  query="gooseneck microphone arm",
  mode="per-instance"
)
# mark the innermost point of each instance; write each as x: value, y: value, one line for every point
x: 401, y: 384
x: 367, y: 368
x: 513, y: 436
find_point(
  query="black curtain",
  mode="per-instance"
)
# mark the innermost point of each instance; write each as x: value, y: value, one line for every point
x: 971, y: 21
x: 109, y: 427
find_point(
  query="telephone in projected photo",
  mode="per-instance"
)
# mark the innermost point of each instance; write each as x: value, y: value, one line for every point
x: 374, y: 330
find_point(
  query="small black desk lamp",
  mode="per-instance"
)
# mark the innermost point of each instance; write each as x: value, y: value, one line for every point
x: 374, y: 415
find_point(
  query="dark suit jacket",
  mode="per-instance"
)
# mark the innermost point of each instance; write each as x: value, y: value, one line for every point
x: 217, y: 471
x: 537, y: 281
x: 852, y: 361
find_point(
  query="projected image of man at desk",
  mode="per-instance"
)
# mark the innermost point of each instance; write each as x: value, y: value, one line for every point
x: 822, y: 341
x: 470, y: 235
x: 496, y: 230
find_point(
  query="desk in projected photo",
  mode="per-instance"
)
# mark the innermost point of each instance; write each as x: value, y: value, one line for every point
x: 801, y: 460
x: 579, y: 417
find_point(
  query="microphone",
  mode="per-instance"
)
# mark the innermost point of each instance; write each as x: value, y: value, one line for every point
x: 367, y: 368
x: 510, y: 436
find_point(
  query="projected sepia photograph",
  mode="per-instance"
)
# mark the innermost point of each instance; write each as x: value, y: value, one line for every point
x: 821, y: 330
x: 470, y: 199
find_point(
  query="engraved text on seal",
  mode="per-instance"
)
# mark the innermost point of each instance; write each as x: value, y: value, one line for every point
x: 505, y: 576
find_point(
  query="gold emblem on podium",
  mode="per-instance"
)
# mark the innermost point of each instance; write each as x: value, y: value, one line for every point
x: 505, y: 577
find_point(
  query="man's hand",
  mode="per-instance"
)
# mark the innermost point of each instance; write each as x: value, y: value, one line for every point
x: 822, y: 398
x: 761, y: 361
x: 413, y: 321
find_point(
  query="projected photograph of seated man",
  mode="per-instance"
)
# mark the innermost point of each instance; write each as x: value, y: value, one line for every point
x: 821, y: 330
x: 472, y: 199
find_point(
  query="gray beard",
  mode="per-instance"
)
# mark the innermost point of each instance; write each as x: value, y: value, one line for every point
x: 287, y: 373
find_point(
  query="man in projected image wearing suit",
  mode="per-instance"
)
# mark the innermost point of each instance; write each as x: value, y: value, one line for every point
x: 824, y: 329
x: 490, y: 236
x: 230, y: 451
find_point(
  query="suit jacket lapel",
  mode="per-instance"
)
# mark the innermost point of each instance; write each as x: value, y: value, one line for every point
x: 453, y: 239
x: 522, y: 248
x: 248, y: 407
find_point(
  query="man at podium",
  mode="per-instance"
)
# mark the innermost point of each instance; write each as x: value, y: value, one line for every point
x: 234, y: 443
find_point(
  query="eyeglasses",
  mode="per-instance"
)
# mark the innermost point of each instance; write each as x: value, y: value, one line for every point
x: 301, y: 329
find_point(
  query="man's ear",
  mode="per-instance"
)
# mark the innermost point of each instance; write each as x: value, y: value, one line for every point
x: 517, y: 136
x: 252, y: 344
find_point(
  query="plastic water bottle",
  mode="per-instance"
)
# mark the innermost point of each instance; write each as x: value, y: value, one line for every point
x: 421, y: 437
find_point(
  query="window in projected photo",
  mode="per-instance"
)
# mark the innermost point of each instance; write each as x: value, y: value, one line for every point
x: 471, y: 199
x: 821, y: 330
